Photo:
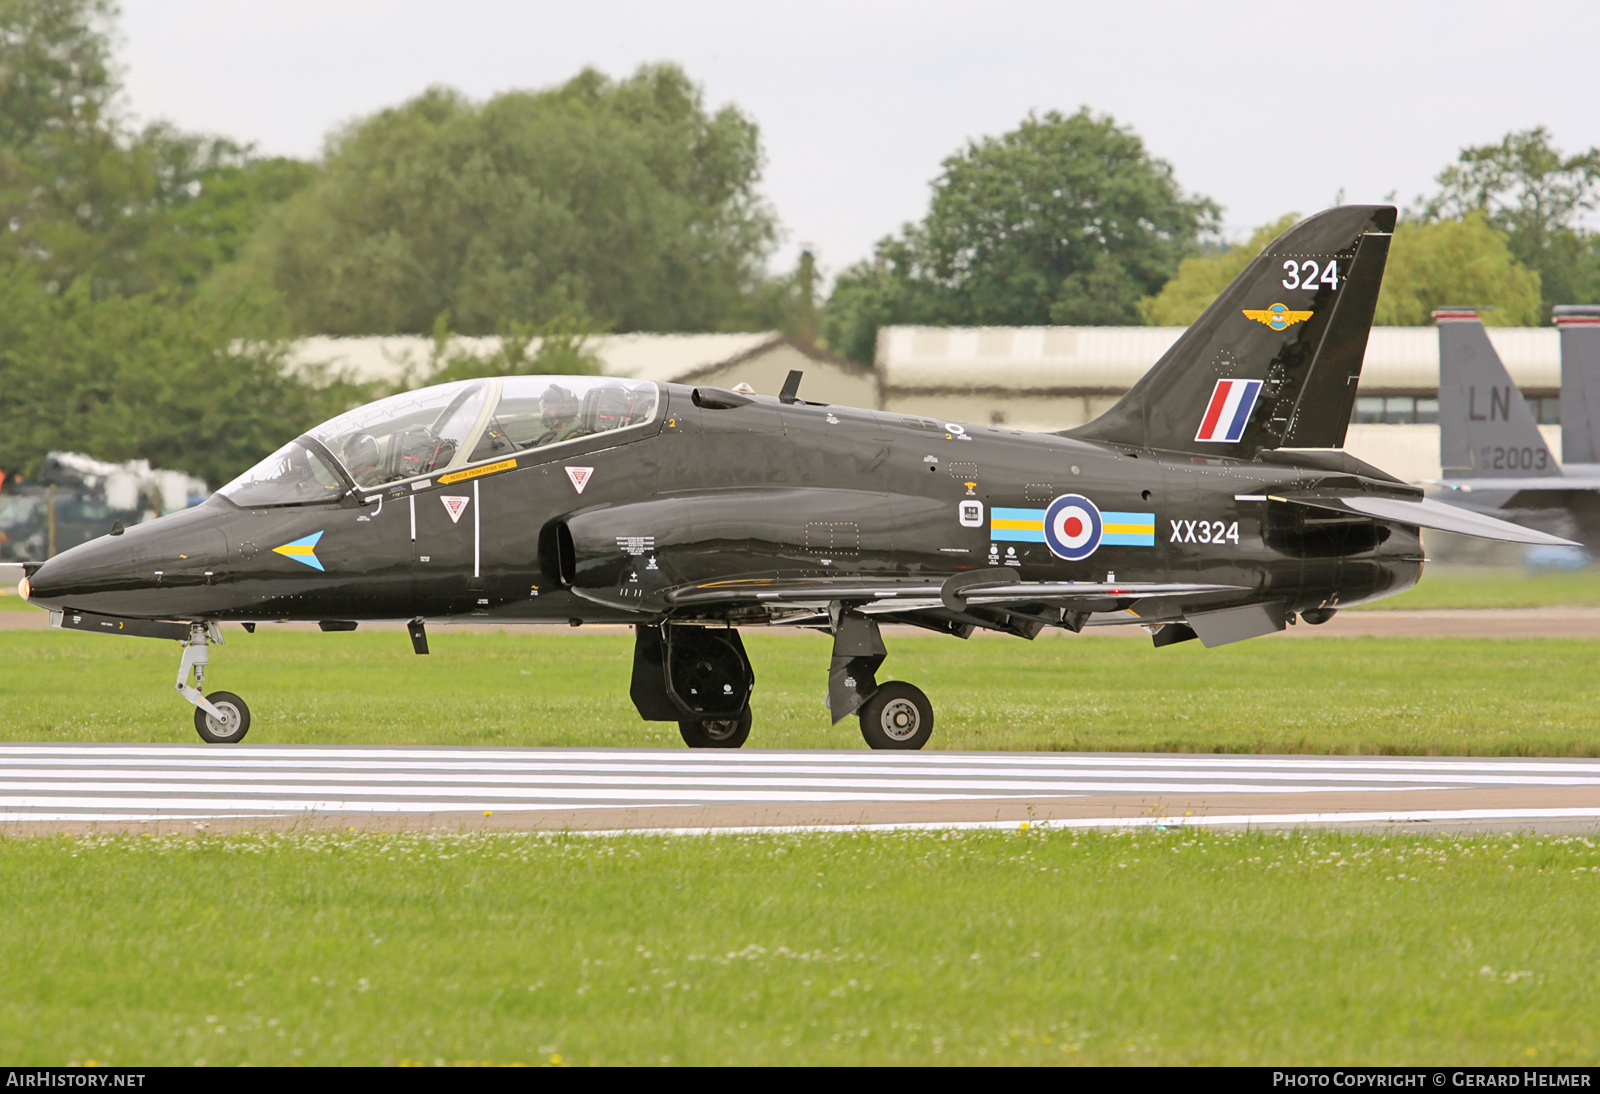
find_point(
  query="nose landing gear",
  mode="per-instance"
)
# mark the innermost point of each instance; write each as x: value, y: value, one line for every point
x: 222, y: 718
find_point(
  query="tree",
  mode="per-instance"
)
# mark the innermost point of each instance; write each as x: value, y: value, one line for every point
x: 1527, y: 189
x: 1066, y: 219
x: 82, y: 196
x: 109, y: 234
x: 140, y: 377
x: 624, y: 201
x: 1455, y: 262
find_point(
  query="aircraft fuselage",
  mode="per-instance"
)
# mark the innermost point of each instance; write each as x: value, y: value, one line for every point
x: 602, y: 529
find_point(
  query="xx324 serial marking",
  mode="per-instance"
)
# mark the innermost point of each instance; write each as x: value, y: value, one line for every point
x: 1203, y: 531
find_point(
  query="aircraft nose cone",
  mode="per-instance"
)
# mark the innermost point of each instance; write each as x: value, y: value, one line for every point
x: 89, y: 569
x: 139, y: 571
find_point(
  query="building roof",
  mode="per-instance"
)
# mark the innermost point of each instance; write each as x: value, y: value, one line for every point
x: 671, y: 358
x: 1110, y: 359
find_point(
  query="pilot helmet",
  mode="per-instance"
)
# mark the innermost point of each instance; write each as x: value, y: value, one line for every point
x: 558, y: 407
x: 360, y: 453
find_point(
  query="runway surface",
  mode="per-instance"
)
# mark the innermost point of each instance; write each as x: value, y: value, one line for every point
x: 162, y: 787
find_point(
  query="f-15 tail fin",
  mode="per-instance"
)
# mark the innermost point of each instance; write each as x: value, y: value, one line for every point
x: 1485, y: 427
x: 1273, y: 362
x: 1580, y: 382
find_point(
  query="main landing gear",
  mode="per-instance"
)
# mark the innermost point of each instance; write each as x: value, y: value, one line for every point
x: 696, y: 676
x: 699, y: 677
x: 892, y: 715
x: 222, y: 717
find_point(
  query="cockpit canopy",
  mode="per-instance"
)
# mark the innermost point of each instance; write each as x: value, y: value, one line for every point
x: 435, y: 429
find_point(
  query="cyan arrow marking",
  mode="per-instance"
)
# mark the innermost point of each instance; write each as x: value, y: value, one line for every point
x: 303, y: 550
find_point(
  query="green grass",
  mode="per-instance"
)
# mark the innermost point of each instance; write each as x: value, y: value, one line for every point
x: 1329, y: 695
x: 1152, y: 947
x: 11, y: 602
x: 1460, y: 587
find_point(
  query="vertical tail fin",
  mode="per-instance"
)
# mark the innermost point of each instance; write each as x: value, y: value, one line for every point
x: 1274, y: 360
x: 1485, y: 427
x: 1580, y: 382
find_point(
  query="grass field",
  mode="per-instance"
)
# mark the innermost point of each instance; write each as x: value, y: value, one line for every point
x: 1355, y: 695
x: 1445, y: 587
x: 1172, y: 947
x: 1155, y: 947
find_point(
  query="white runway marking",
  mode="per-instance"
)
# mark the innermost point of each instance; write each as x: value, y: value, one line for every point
x: 1275, y: 820
x: 148, y: 782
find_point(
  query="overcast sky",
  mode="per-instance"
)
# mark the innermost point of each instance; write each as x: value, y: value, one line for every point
x: 1262, y: 107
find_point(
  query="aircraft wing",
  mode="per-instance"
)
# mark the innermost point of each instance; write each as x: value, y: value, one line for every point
x: 973, y: 589
x: 1425, y: 513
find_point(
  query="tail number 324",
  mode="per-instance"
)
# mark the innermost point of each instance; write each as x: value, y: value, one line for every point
x: 1309, y: 275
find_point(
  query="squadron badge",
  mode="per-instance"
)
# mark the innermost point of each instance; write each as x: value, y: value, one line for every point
x: 1278, y: 317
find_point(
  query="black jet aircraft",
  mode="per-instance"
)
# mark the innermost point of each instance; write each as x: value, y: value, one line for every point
x: 1494, y: 458
x: 1211, y: 502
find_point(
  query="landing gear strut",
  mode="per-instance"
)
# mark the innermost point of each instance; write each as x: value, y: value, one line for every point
x: 223, y: 718
x: 893, y: 715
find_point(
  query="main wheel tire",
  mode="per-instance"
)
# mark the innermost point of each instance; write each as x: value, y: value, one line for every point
x: 897, y: 716
x: 228, y: 732
x: 717, y: 733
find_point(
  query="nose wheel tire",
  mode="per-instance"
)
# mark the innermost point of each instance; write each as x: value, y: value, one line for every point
x: 236, y: 721
x: 717, y: 733
x: 897, y: 716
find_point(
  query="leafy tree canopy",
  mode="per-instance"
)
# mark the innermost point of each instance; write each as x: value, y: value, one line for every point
x: 625, y: 202
x: 1455, y: 262
x: 139, y: 377
x: 110, y: 232
x: 84, y: 197
x: 1066, y: 219
x: 1537, y: 196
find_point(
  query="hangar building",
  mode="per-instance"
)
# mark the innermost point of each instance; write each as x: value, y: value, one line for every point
x: 1047, y: 378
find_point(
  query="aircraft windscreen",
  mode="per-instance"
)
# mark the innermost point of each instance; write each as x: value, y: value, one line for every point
x: 536, y: 411
x: 293, y: 475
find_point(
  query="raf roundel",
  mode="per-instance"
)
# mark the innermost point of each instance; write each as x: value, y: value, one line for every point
x: 1072, y: 527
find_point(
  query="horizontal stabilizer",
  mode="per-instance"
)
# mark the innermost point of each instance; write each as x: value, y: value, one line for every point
x: 1566, y: 484
x: 1427, y: 513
